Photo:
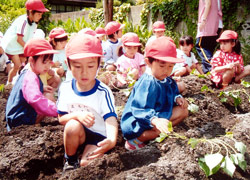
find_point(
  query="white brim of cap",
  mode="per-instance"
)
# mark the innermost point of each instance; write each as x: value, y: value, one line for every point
x: 159, y: 29
x: 122, y: 26
x: 62, y: 35
x: 100, y: 35
x: 132, y: 44
x: 169, y: 59
x: 47, y: 52
x: 83, y: 55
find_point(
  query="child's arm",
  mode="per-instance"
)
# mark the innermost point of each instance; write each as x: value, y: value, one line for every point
x: 85, y: 118
x: 110, y: 141
x: 20, y: 40
x: 34, y: 97
x: 223, y: 68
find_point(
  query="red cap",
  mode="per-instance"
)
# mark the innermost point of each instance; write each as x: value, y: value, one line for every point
x: 38, y: 46
x: 100, y: 31
x: 83, y: 46
x: 112, y: 27
x: 159, y: 26
x: 57, y: 33
x: 35, y: 5
x: 162, y: 48
x: 131, y: 39
x: 228, y: 34
x: 87, y: 31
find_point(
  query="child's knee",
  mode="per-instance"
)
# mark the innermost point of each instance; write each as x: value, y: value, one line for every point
x: 73, y: 128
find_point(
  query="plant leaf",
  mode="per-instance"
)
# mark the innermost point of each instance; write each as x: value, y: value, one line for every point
x: 234, y: 158
x: 193, y: 142
x: 161, y: 137
x: 213, y: 160
x: 203, y: 166
x: 204, y: 88
x: 241, y: 147
x: 245, y: 84
x: 242, y: 163
x: 229, y: 166
x: 193, y: 108
x: 224, y: 99
x: 170, y: 127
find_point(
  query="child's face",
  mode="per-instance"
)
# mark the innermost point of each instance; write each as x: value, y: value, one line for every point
x: 39, y: 66
x: 161, y: 69
x: 60, y: 45
x: 227, y: 47
x: 119, y: 34
x: 84, y: 71
x: 186, y: 48
x: 36, y: 16
x: 130, y: 51
x: 159, y: 33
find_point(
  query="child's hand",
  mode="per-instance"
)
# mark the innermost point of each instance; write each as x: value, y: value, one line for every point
x: 161, y: 124
x: 103, y: 147
x: 182, y: 102
x: 230, y: 66
x: 51, y: 72
x: 86, y: 118
x: 56, y: 64
x: 48, y: 89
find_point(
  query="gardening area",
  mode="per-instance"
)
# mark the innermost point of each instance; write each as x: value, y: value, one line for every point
x: 213, y: 143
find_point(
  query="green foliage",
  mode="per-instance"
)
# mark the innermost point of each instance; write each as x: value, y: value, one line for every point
x: 206, y: 89
x: 2, y: 90
x: 121, y: 12
x: 96, y: 16
x: 212, y: 162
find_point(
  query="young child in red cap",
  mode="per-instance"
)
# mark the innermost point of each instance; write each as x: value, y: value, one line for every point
x: 86, y: 105
x: 227, y: 63
x: 28, y: 103
x: 110, y: 48
x: 155, y: 99
x: 58, y: 38
x: 20, y: 31
x: 158, y: 31
x: 130, y: 61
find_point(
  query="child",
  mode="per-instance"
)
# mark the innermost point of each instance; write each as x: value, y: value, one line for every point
x: 227, y: 63
x: 155, y: 99
x: 86, y: 105
x: 20, y: 31
x: 58, y: 39
x: 182, y: 69
x: 27, y: 103
x: 100, y: 33
x: 131, y: 61
x: 110, y: 48
x: 158, y: 30
x: 5, y: 64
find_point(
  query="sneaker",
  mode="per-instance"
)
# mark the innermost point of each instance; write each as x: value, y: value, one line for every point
x: 68, y: 166
x: 132, y: 147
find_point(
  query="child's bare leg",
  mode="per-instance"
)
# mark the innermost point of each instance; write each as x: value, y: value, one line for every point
x: 180, y: 72
x: 227, y: 77
x: 149, y: 135
x: 198, y: 67
x: 178, y: 115
x: 243, y: 74
x: 39, y: 118
x: 181, y: 86
x: 17, y: 64
x: 73, y: 136
x: 87, y: 151
x: 54, y: 81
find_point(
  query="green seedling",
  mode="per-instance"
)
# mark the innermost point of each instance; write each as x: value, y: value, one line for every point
x: 206, y: 88
x: 193, y: 108
x: 212, y: 162
x: 2, y: 90
x: 245, y: 84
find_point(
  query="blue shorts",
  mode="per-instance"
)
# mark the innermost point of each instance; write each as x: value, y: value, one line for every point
x: 92, y: 137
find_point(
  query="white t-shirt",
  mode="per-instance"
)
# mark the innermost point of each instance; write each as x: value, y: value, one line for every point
x: 110, y: 51
x: 19, y: 27
x: 99, y: 100
x: 61, y: 57
x: 189, y: 60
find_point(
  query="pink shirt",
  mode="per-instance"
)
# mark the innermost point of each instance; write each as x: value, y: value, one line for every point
x: 124, y: 63
x: 212, y: 21
x: 34, y: 97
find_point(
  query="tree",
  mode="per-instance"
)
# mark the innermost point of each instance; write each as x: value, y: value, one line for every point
x: 108, y: 10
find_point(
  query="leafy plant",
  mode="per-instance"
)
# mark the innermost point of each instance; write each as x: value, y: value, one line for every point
x: 215, y: 160
x: 2, y: 90
x: 206, y: 88
x: 193, y: 108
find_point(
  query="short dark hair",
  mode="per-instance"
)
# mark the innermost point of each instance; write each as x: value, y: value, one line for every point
x: 98, y: 63
x: 186, y: 40
x: 151, y: 60
x: 65, y: 38
x: 111, y: 36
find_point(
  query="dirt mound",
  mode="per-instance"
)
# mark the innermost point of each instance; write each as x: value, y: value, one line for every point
x: 36, y: 152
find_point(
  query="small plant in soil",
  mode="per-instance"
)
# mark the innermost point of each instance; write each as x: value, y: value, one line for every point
x: 196, y: 73
x: 206, y: 89
x: 2, y: 90
x: 193, y: 108
x: 212, y: 162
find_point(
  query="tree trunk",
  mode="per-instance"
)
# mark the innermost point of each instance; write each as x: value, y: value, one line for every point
x: 108, y: 10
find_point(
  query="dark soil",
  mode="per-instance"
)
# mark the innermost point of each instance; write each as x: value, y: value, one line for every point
x: 36, y: 152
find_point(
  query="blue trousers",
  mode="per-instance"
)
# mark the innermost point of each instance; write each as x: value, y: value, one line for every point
x: 205, y: 47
